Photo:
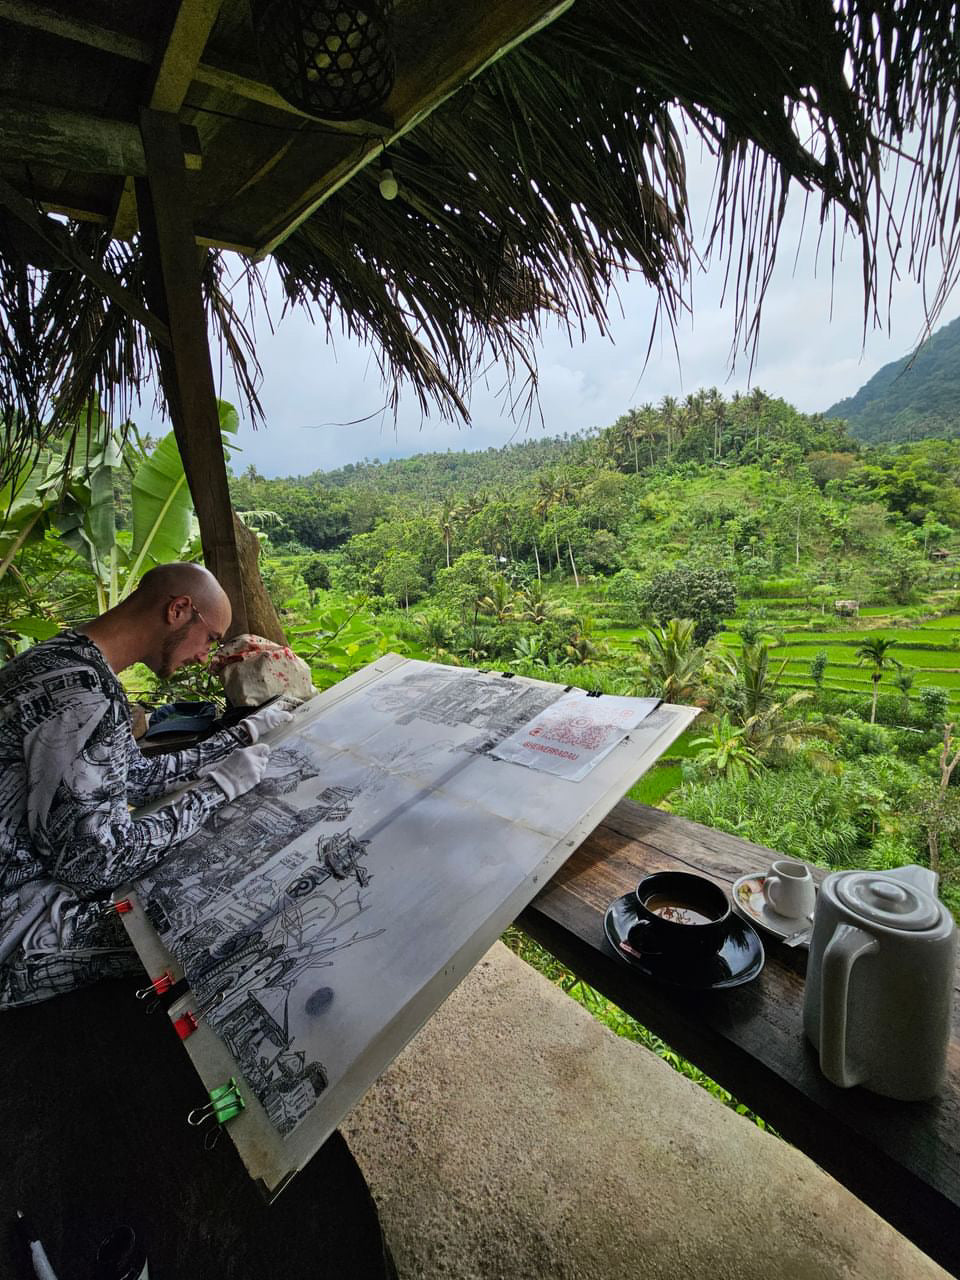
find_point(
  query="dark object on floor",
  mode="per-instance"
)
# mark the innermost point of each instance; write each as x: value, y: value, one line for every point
x: 94, y: 1096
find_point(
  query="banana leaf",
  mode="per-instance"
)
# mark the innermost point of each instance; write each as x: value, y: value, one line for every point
x: 162, y: 510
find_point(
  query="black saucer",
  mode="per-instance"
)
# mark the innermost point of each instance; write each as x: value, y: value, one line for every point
x: 739, y: 958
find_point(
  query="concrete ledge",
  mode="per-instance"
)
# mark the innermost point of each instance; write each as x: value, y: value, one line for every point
x: 516, y: 1137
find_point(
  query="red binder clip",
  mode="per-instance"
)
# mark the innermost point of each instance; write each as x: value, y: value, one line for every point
x: 157, y: 987
x: 186, y: 1024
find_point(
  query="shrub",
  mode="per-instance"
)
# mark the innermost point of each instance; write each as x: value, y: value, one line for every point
x: 934, y: 702
x: 703, y: 594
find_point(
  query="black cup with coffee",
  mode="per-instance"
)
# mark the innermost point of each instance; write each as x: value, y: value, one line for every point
x: 679, y: 912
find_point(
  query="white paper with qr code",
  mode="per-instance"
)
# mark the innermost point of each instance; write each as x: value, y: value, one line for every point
x: 573, y: 735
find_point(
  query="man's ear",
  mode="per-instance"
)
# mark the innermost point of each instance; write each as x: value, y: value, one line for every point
x: 179, y: 608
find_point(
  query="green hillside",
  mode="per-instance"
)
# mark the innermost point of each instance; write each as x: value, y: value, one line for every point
x: 905, y: 401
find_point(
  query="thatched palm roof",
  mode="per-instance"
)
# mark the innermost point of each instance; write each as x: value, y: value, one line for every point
x: 531, y: 189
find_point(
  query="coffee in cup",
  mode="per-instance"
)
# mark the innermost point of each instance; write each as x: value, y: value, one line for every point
x: 681, y: 912
x: 789, y: 889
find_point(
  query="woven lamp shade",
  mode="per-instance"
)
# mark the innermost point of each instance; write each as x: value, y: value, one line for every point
x: 330, y: 58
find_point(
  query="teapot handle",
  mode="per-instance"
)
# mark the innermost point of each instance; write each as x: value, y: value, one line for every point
x: 846, y: 946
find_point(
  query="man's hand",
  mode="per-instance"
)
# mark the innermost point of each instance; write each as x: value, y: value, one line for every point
x: 262, y: 722
x: 241, y: 771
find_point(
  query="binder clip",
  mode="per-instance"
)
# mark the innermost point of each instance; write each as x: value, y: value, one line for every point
x: 157, y: 987
x: 120, y: 908
x: 225, y: 1103
x: 187, y: 1022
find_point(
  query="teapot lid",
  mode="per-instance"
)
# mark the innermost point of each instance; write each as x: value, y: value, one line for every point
x: 889, y: 902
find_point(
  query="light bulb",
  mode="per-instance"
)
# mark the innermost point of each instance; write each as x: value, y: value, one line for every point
x: 388, y: 184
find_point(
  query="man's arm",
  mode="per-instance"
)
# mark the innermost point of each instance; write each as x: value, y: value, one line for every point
x: 149, y: 777
x: 77, y: 810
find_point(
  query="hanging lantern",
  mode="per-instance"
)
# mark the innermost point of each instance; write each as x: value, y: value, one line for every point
x: 330, y: 58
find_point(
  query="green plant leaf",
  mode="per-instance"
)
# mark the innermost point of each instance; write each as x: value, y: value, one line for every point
x: 162, y: 510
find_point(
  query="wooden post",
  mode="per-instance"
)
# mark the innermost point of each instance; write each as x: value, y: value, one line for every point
x: 172, y: 283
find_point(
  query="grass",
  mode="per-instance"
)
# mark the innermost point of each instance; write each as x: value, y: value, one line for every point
x: 657, y: 784
x: 613, y: 1017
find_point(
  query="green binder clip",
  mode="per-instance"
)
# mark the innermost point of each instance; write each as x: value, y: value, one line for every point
x: 225, y: 1102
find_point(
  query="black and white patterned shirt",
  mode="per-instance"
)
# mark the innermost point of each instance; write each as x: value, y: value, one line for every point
x: 70, y: 769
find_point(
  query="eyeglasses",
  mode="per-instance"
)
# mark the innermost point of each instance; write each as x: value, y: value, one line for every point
x: 216, y: 637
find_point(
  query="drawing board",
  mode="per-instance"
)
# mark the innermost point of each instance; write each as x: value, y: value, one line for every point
x: 320, y: 919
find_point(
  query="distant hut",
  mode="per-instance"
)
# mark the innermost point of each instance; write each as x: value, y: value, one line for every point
x: 847, y: 608
x: 474, y: 170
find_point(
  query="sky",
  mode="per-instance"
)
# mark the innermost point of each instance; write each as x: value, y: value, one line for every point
x: 812, y: 352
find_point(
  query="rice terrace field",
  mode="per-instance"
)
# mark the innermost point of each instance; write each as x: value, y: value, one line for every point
x: 927, y: 648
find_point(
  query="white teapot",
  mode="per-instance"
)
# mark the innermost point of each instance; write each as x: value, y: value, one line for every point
x: 879, y: 991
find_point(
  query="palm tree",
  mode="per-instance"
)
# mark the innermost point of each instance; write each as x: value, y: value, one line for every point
x: 537, y: 605
x: 904, y: 682
x: 876, y: 650
x: 437, y: 633
x: 672, y: 662
x: 498, y: 602
x: 727, y: 752
x: 756, y: 678
x: 449, y: 515
x: 647, y: 427
x: 778, y: 731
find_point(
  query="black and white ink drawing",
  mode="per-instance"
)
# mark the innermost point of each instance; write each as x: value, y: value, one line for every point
x: 321, y: 918
x: 496, y: 705
x: 245, y: 964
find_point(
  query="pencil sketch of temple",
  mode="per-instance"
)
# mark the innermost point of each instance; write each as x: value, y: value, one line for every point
x: 258, y: 1036
x: 240, y: 835
x: 249, y: 962
x: 496, y: 705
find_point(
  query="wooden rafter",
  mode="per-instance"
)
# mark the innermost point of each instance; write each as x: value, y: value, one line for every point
x: 176, y: 67
x: 470, y: 40
x: 36, y: 134
x: 242, y: 82
x: 174, y: 70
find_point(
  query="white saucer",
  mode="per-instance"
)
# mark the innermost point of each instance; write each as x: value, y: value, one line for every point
x: 749, y: 902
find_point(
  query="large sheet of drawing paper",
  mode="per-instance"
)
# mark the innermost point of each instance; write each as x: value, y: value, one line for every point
x: 323, y: 917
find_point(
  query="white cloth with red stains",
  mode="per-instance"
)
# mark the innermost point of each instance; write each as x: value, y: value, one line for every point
x: 254, y: 669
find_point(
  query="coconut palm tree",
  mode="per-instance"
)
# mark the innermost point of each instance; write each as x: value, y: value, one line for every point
x: 673, y: 664
x: 727, y: 752
x: 537, y: 606
x: 876, y: 651
x: 757, y: 680
x: 778, y: 731
x: 499, y: 600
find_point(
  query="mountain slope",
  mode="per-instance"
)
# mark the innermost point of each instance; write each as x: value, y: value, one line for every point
x: 901, y: 403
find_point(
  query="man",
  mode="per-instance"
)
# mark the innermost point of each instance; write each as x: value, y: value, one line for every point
x: 70, y: 768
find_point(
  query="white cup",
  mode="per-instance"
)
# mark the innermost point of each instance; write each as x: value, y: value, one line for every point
x: 789, y: 889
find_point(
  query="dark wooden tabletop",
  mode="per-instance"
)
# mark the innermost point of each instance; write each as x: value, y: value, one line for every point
x: 903, y: 1159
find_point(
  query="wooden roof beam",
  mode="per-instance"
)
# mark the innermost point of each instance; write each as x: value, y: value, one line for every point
x: 35, y: 134
x: 212, y: 72
x: 174, y: 71
x: 469, y: 39
x: 56, y: 237
x: 177, y: 65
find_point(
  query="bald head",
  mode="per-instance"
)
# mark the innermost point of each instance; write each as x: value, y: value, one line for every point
x: 158, y: 585
x: 177, y: 614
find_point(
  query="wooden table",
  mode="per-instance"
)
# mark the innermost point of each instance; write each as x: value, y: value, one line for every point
x: 902, y: 1159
